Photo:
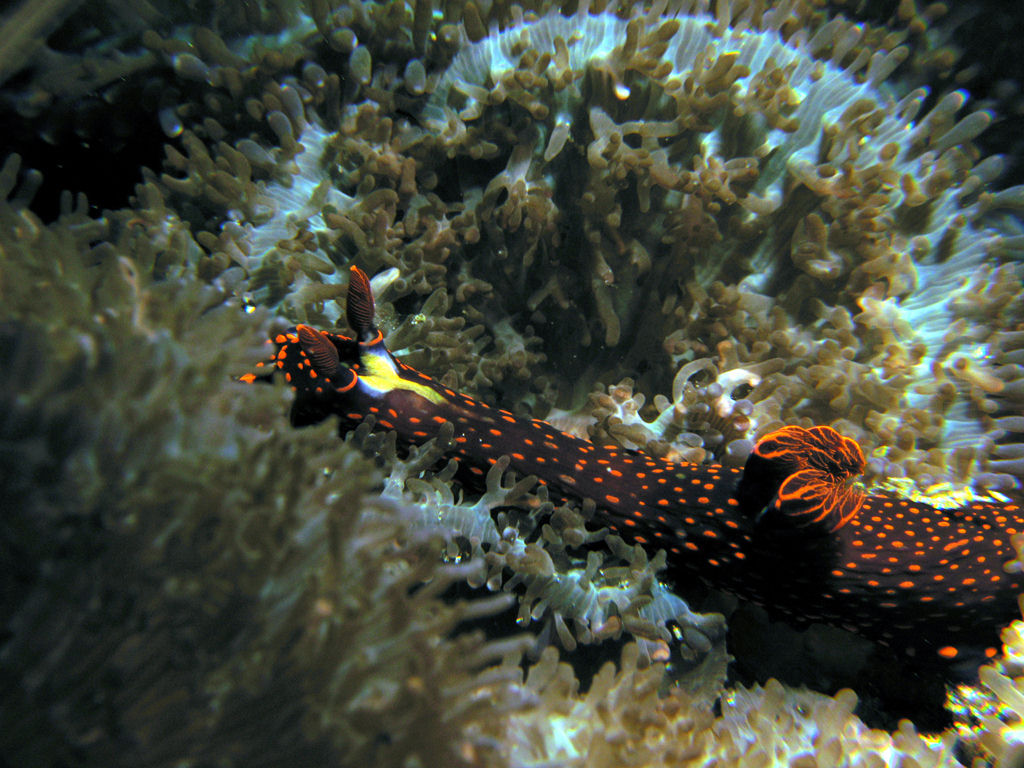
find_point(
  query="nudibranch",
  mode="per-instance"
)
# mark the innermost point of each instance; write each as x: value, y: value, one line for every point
x: 791, y: 531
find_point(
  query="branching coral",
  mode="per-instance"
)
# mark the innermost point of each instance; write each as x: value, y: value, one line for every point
x: 579, y: 600
x: 723, y: 202
x: 802, y: 196
x: 989, y: 716
x: 698, y: 420
x: 624, y: 720
x: 187, y: 585
x: 633, y: 190
x: 193, y: 586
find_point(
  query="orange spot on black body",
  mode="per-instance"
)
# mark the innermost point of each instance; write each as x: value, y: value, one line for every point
x: 790, y: 531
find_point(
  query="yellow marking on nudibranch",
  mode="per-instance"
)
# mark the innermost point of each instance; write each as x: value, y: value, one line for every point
x: 383, y: 377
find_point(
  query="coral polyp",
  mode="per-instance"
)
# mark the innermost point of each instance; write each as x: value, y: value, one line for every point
x: 749, y: 188
x: 642, y: 190
x: 674, y: 226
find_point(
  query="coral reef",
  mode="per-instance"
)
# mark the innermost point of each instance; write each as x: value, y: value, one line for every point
x: 647, y: 193
x: 188, y: 583
x: 760, y: 726
x: 675, y: 227
x: 803, y: 199
x: 185, y: 584
x: 988, y: 717
x: 579, y: 599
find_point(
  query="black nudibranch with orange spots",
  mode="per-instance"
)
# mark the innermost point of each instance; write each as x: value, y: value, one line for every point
x: 789, y: 532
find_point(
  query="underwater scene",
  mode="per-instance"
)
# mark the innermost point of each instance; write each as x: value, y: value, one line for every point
x: 467, y: 383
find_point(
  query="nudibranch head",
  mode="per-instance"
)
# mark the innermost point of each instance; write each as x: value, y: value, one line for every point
x: 334, y: 374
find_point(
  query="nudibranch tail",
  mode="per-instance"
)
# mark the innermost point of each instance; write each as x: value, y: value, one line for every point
x: 791, y: 531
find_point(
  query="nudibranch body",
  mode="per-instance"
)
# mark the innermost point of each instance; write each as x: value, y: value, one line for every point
x: 790, y: 531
